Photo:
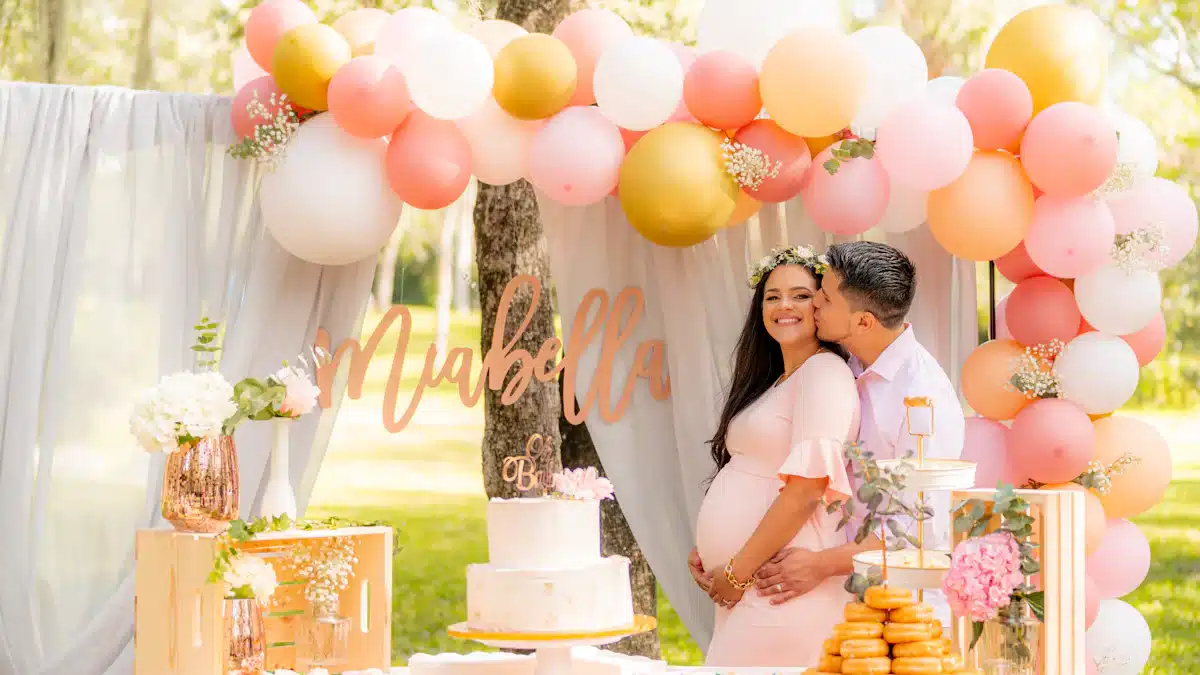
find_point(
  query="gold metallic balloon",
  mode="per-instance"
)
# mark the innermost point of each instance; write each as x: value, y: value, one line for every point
x: 305, y: 60
x: 535, y: 76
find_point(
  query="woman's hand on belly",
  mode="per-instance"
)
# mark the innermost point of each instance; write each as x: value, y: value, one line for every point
x: 703, y: 579
x: 791, y: 573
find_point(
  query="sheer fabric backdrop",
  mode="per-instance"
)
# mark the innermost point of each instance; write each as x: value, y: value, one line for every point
x: 122, y: 221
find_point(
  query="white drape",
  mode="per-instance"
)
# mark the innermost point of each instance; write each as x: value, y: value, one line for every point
x: 122, y: 222
x: 695, y: 300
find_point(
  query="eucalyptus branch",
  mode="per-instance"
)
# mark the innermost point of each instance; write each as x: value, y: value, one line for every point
x: 207, y: 345
x: 851, y: 148
x: 1097, y: 477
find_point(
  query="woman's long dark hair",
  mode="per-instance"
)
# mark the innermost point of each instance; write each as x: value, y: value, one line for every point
x: 758, y: 363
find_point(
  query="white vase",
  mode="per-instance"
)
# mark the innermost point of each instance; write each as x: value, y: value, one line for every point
x: 279, y: 499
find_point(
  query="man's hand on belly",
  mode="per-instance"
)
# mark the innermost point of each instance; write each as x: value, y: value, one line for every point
x: 789, y: 574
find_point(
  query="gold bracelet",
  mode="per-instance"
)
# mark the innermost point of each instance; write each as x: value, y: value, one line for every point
x: 740, y: 585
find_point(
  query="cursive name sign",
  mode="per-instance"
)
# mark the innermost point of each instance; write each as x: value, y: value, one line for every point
x: 616, y: 324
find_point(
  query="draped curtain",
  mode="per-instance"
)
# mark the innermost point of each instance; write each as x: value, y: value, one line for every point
x: 122, y: 221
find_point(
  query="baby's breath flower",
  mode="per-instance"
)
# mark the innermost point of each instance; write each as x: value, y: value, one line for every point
x: 1141, y: 249
x: 1033, y: 373
x: 1120, y: 180
x: 279, y: 123
x: 796, y: 255
x: 327, y: 568
x: 748, y: 166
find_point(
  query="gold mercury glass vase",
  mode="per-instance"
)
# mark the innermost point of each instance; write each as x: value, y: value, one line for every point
x: 247, y: 637
x: 200, y: 486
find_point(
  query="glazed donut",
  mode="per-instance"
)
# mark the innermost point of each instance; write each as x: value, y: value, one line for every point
x: 857, y: 630
x: 832, y: 646
x: 952, y: 663
x: 936, y: 627
x: 830, y: 663
x: 865, y: 649
x: 885, y: 597
x: 911, y: 614
x: 947, y: 645
x: 858, y: 611
x: 876, y: 665
x: 922, y: 648
x: 917, y: 665
x: 897, y: 633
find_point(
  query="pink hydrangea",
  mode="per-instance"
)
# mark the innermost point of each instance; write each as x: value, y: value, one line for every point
x: 583, y: 484
x: 984, y: 572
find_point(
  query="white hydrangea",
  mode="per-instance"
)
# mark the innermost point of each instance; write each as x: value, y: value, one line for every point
x: 185, y: 404
x: 252, y: 572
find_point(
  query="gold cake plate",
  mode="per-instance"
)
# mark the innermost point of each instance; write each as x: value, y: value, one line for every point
x: 553, y: 649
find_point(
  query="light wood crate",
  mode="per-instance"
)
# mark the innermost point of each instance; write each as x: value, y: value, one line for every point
x: 178, y: 622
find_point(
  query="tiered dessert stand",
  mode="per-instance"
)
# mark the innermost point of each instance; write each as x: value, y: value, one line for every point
x: 553, y: 650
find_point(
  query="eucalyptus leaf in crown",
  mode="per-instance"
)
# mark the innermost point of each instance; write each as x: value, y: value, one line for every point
x: 795, y: 255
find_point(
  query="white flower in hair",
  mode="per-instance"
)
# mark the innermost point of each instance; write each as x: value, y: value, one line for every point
x: 796, y: 255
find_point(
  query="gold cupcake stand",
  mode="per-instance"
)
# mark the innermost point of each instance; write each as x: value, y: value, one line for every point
x: 553, y: 650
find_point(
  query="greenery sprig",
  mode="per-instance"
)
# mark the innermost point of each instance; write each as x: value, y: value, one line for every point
x: 207, y: 345
x: 851, y: 148
x: 1097, y: 476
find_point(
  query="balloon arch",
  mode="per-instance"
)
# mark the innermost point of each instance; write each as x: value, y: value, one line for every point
x: 1018, y: 164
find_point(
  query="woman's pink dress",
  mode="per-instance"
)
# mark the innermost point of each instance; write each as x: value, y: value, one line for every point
x: 797, y: 428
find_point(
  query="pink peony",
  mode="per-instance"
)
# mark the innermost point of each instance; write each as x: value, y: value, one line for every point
x: 583, y: 484
x: 301, y: 395
x: 984, y: 572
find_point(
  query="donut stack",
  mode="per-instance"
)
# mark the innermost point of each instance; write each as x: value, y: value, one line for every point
x: 890, y: 634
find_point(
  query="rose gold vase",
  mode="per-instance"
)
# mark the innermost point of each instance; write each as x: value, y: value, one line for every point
x: 200, y: 486
x: 247, y: 637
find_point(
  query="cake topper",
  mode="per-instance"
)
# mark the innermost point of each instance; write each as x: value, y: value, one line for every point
x: 522, y: 470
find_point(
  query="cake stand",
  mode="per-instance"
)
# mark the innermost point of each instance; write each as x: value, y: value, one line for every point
x: 553, y: 650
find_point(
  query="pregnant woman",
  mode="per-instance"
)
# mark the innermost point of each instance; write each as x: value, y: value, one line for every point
x: 792, y: 405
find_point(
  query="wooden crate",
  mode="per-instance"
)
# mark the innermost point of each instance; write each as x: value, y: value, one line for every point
x: 178, y: 621
x: 1058, y: 530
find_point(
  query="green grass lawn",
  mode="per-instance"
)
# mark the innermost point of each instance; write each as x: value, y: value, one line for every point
x: 426, y: 481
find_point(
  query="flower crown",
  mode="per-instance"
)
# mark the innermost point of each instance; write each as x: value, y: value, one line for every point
x: 796, y: 255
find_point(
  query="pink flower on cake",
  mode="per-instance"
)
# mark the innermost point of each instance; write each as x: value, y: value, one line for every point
x: 984, y: 573
x: 583, y: 484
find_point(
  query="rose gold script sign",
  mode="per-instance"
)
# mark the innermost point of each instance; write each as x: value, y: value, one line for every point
x: 617, y: 324
x: 523, y: 470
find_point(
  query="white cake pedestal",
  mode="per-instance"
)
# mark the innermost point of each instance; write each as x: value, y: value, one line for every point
x: 553, y: 650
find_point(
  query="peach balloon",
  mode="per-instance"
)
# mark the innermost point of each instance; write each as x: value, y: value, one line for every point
x: 1094, y: 521
x: 368, y: 97
x: 850, y: 201
x: 1017, y: 266
x: 998, y: 106
x: 1069, y: 149
x: 1042, y: 309
x: 985, y: 376
x: 495, y: 34
x: 721, y: 90
x: 587, y: 33
x: 789, y: 152
x: 1141, y: 487
x: 1148, y: 342
x: 1051, y: 441
x: 924, y: 145
x: 428, y: 162
x: 267, y: 24
x: 267, y: 93
x: 987, y: 211
x: 813, y: 81
x: 360, y: 27
x: 745, y: 209
x: 1070, y: 237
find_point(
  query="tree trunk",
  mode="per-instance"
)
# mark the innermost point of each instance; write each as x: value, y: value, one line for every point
x: 143, y: 74
x: 462, y: 257
x: 53, y: 15
x: 385, y: 279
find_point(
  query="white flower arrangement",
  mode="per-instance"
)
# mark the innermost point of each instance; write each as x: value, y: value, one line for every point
x: 249, y: 576
x: 582, y: 484
x: 796, y: 255
x: 326, y: 568
x: 300, y: 394
x: 184, y: 408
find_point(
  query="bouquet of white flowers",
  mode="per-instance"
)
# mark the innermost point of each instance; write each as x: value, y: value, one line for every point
x: 184, y: 408
x: 249, y: 577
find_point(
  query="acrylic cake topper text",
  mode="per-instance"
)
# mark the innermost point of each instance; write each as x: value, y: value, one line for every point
x: 523, y: 470
x: 617, y: 325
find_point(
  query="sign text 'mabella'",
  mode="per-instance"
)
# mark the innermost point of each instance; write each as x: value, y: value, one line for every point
x: 617, y: 323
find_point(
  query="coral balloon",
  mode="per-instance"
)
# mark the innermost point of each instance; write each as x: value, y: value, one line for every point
x: 721, y: 90
x: 1059, y: 51
x: 1069, y: 149
x: 535, y: 77
x: 1097, y: 390
x: 1091, y: 607
x: 1070, y: 236
x: 1042, y: 309
x: 588, y: 33
x: 402, y: 36
x: 452, y: 75
x: 745, y: 209
x: 1122, y: 561
x: 361, y: 27
x: 985, y: 376
x: 998, y: 106
x: 1143, y: 485
x: 674, y: 187
x: 1094, y: 521
x: 638, y: 83
x: 1157, y: 203
x: 499, y: 144
x: 1017, y: 266
x: 789, y: 152
x: 905, y: 210
x: 986, y: 444
x: 306, y: 60
x: 850, y: 201
x: 368, y: 97
x: 1117, y: 301
x: 1002, y: 330
x: 269, y: 22
x: 264, y: 90
x: 813, y: 60
x: 495, y: 34
x: 686, y: 56
x: 1051, y: 441
x: 245, y: 70
x: 428, y: 162
x: 986, y: 212
x: 896, y: 73
x: 576, y: 157
x: 924, y: 145
x: 1148, y: 342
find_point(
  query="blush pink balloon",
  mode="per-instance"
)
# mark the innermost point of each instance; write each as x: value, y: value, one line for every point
x: 1002, y: 331
x: 1070, y: 237
x: 986, y: 444
x: 924, y: 145
x: 428, y: 162
x: 267, y: 24
x: 368, y: 97
x: 1017, y: 266
x: 1042, y: 309
x: 1122, y: 561
x: 998, y: 106
x: 1148, y: 342
x: 1052, y: 441
x: 1091, y: 600
x: 499, y: 143
x: 587, y: 33
x: 1157, y: 202
x: 791, y: 152
x: 1090, y: 667
x: 1069, y: 149
x: 721, y: 90
x: 850, y: 201
x: 576, y: 158
x: 686, y: 56
x: 265, y: 88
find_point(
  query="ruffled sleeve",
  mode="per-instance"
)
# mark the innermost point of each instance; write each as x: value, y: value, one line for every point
x: 824, y: 417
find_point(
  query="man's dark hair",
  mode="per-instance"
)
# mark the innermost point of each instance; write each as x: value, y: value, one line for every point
x: 876, y: 278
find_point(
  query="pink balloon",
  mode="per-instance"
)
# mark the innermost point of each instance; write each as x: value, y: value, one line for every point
x: 1148, y: 342
x: 850, y: 201
x: 1122, y: 561
x: 267, y: 24
x: 576, y: 158
x: 1157, y: 202
x: 1091, y: 601
x: 721, y: 90
x: 428, y: 162
x: 1017, y: 266
x: 245, y: 69
x: 1069, y: 149
x: 686, y: 56
x: 265, y: 88
x: 368, y: 97
x: 587, y: 33
x: 791, y: 152
x: 1070, y: 237
x: 499, y: 143
x: 998, y: 106
x: 986, y: 444
x: 1090, y: 667
x: 924, y: 145
x: 1052, y: 441
x: 1042, y: 309
x: 1002, y: 331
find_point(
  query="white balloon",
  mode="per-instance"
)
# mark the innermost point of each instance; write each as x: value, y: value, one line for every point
x: 1136, y: 145
x: 245, y: 69
x: 896, y: 72
x: 749, y: 28
x: 638, y: 83
x: 1117, y: 301
x: 329, y: 202
x: 403, y: 34
x: 1097, y: 371
x: 905, y: 210
x: 499, y: 143
x: 452, y: 75
x: 944, y: 89
x: 1119, y: 639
